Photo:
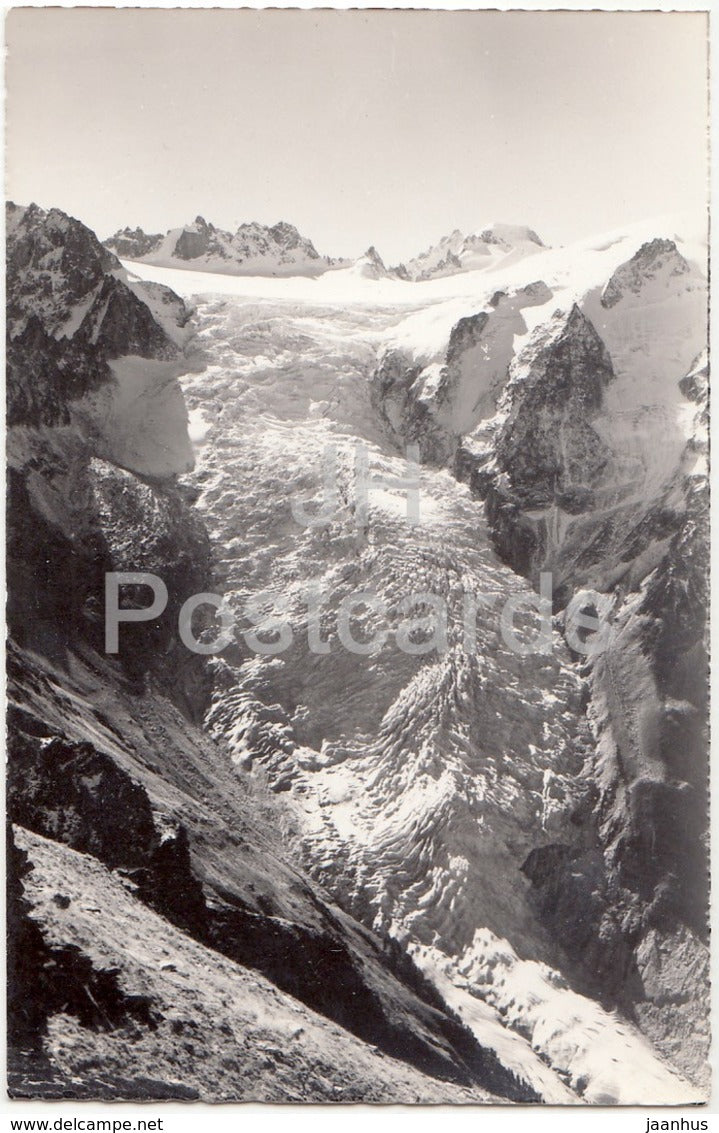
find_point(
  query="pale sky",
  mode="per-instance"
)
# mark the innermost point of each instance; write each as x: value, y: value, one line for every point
x: 383, y: 127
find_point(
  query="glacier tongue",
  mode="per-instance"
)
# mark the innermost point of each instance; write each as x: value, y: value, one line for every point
x: 415, y: 786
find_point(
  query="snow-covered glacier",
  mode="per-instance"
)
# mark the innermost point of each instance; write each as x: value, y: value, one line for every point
x: 513, y: 809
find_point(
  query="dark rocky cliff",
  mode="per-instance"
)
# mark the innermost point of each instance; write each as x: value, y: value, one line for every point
x: 546, y: 446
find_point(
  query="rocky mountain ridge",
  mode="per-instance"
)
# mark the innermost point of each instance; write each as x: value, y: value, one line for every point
x: 254, y: 249
x: 280, y: 250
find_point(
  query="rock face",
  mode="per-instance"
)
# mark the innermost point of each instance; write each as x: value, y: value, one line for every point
x: 546, y: 452
x: 133, y: 243
x: 90, y: 350
x: 60, y: 275
x: 509, y: 236
x: 435, y: 404
x: 546, y: 446
x: 71, y: 308
x: 254, y: 249
x: 397, y: 390
x: 655, y: 263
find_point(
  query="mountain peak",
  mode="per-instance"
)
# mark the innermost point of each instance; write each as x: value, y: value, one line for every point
x: 510, y: 235
x: 459, y: 253
x: 656, y: 261
x: 372, y: 266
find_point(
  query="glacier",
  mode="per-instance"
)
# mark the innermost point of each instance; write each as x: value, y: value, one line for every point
x: 416, y: 787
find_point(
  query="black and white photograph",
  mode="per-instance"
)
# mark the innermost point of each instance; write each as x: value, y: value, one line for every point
x: 357, y: 560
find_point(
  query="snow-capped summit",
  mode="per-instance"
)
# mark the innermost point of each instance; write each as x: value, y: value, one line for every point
x: 485, y: 248
x: 372, y: 266
x: 658, y: 261
x: 254, y: 249
x: 439, y: 259
x: 509, y: 236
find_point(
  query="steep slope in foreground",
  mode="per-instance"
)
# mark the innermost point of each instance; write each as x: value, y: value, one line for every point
x: 153, y: 917
x: 143, y: 1010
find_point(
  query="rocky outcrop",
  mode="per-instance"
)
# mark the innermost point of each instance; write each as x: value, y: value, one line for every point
x: 60, y: 275
x: 372, y: 266
x: 509, y: 236
x: 546, y: 448
x: 90, y: 350
x: 436, y: 403
x: 397, y: 396
x: 438, y: 260
x: 197, y: 240
x: 61, y: 789
x: 133, y: 243
x: 46, y: 978
x: 70, y: 313
x: 544, y: 456
x: 654, y: 263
